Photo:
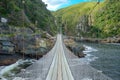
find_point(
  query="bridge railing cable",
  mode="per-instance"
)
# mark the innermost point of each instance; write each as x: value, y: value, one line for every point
x: 90, y: 13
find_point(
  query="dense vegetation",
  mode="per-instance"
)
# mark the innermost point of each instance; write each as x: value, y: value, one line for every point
x: 107, y: 19
x: 91, y: 19
x: 30, y: 12
x: 84, y: 19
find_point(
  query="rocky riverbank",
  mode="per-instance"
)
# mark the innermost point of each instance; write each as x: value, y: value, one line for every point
x: 7, y: 59
x: 111, y: 40
x: 77, y: 50
x: 96, y: 40
x: 73, y: 47
x: 32, y: 50
x: 18, y: 42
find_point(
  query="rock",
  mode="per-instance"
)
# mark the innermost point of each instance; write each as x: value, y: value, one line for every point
x: 77, y: 50
x: 69, y: 42
x: 81, y: 54
x: 95, y: 40
x: 111, y: 40
x: 7, y: 61
x: 119, y: 41
x: 36, y: 52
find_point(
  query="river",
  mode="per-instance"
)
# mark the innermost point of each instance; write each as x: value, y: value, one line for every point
x: 104, y: 57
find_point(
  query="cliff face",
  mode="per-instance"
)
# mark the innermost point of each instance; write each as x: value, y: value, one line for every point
x: 91, y: 19
x: 74, y: 17
x: 30, y: 12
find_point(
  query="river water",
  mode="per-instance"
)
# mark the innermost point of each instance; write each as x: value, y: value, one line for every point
x: 104, y: 57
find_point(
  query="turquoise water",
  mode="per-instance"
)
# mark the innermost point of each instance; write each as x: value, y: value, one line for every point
x: 108, y: 59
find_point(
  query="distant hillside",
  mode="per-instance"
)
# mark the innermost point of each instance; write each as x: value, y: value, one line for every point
x: 107, y: 19
x: 31, y: 13
x: 91, y: 19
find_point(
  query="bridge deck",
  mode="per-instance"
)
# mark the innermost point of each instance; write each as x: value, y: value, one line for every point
x: 60, y: 64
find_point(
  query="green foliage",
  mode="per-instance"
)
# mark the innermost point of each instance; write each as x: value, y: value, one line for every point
x: 105, y: 17
x: 36, y: 11
x: 71, y: 15
x: 31, y: 12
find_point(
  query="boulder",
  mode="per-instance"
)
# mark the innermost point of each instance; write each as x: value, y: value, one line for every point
x: 77, y: 50
x: 7, y: 61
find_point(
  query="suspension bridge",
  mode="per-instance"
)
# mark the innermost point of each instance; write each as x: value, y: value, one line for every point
x: 60, y: 64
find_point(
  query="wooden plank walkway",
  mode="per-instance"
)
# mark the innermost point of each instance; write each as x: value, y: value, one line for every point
x: 60, y: 64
